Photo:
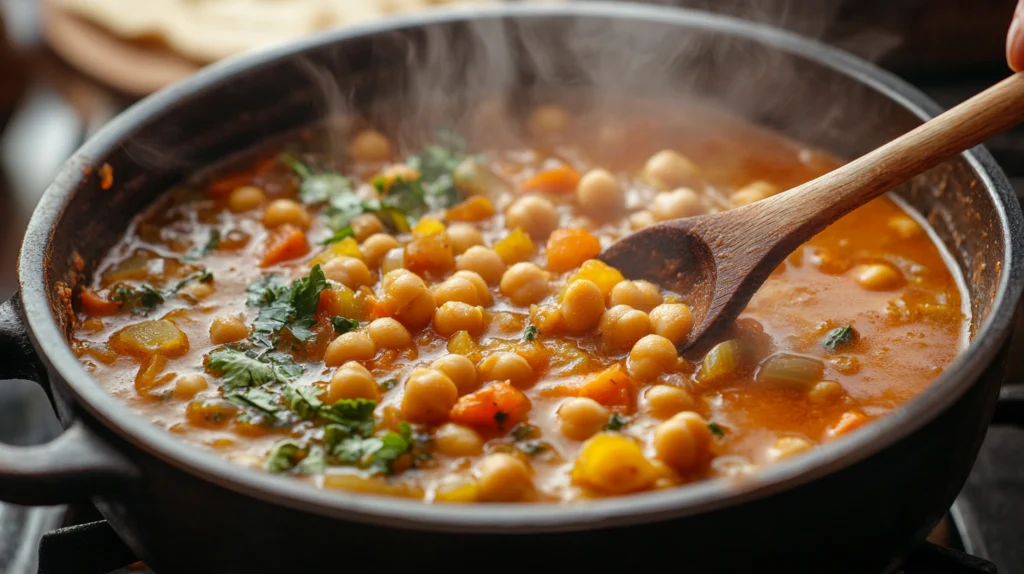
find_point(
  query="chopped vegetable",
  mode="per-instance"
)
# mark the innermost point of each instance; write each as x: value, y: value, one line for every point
x: 530, y: 333
x: 603, y: 275
x: 474, y: 178
x: 139, y: 299
x: 612, y: 387
x: 476, y: 208
x: 562, y: 179
x: 342, y: 325
x: 284, y: 243
x: 210, y: 245
x: 515, y: 247
x: 481, y: 409
x: 158, y: 337
x: 721, y: 362
x: 293, y: 308
x: 93, y: 304
x: 569, y: 248
x: 793, y: 371
x: 284, y: 456
x: 613, y: 464
x: 343, y: 233
x: 839, y: 337
x: 256, y: 397
x: 249, y: 368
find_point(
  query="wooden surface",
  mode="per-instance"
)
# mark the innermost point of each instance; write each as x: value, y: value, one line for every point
x: 720, y: 260
x: 130, y: 67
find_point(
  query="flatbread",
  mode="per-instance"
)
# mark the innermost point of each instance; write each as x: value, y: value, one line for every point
x: 208, y: 30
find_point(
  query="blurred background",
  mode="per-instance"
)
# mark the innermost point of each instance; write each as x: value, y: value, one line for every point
x: 68, y: 66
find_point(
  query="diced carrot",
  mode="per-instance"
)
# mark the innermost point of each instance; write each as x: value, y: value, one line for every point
x: 498, y: 406
x: 562, y: 179
x: 848, y: 422
x: 378, y: 308
x: 612, y: 387
x: 284, y: 243
x: 515, y: 247
x: 569, y: 248
x: 95, y: 304
x: 476, y: 208
x: 340, y: 301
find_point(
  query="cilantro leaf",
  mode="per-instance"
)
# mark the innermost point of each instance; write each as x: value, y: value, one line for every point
x: 304, y: 400
x: 140, y: 300
x: 342, y: 325
x: 392, y: 446
x: 305, y: 300
x: 339, y: 234
x: 257, y: 397
x: 839, y: 337
x: 314, y: 462
x: 317, y: 187
x: 715, y: 429
x: 266, y: 290
x: 284, y: 456
x: 355, y: 414
x: 523, y: 431
x: 249, y: 368
x: 530, y: 333
x: 616, y: 422
x: 291, y: 307
x: 198, y: 252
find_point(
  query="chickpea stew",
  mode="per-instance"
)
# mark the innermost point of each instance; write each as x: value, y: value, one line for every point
x: 432, y: 321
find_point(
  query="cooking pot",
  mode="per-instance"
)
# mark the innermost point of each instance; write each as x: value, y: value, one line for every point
x: 857, y: 504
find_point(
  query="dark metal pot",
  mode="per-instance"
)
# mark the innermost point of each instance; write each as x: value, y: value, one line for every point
x: 856, y: 505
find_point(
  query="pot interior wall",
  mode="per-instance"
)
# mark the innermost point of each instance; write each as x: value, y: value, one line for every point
x: 525, y: 60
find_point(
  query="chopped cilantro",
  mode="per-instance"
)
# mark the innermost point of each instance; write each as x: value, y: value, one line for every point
x: 392, y: 446
x: 317, y: 186
x: 293, y: 307
x: 250, y: 368
x: 284, y: 456
x: 530, y: 333
x: 500, y: 417
x: 523, y: 431
x: 339, y: 234
x: 266, y: 290
x: 141, y: 299
x: 388, y: 384
x: 202, y: 276
x: 198, y: 252
x: 715, y: 429
x: 839, y: 337
x: 342, y: 325
x: 436, y: 165
x: 356, y: 414
x: 616, y: 422
x: 255, y: 397
x: 314, y: 462
x: 304, y: 400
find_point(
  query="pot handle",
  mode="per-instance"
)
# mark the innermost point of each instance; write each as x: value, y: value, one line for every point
x: 1010, y: 408
x: 72, y: 467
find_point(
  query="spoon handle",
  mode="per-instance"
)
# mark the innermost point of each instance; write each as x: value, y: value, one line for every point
x: 810, y: 207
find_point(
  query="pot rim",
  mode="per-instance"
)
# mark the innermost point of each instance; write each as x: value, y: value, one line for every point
x: 639, y: 508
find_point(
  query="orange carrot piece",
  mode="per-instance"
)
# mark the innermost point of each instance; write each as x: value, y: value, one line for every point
x: 612, y: 387
x: 378, y: 309
x: 95, y: 304
x: 498, y: 406
x: 569, y: 248
x: 284, y: 243
x: 562, y: 179
x: 475, y: 208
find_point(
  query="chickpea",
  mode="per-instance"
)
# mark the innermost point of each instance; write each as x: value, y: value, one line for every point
x: 642, y: 295
x: 579, y: 418
x: 825, y: 391
x: 534, y: 215
x: 503, y: 478
x: 354, y: 346
x: 905, y: 226
x: 682, y: 441
x: 419, y: 312
x: 525, y: 284
x: 600, y: 195
x: 663, y: 401
x: 505, y: 366
x: 348, y: 271
x: 401, y: 287
x: 352, y: 381
x: 672, y: 321
x: 461, y: 289
x: 788, y: 446
x: 285, y: 211
x: 459, y: 369
x: 245, y: 198
x: 455, y: 316
x: 752, y: 192
x: 370, y: 146
x: 668, y: 169
x: 682, y: 202
x: 641, y: 219
x: 483, y: 292
x: 227, y: 329
x: 429, y: 395
x: 188, y: 386
x: 462, y: 236
x: 366, y: 225
x: 582, y: 306
x: 623, y: 326
x: 651, y: 356
x: 197, y: 290
x: 455, y: 440
x: 548, y: 120
x: 376, y: 246
x: 387, y: 333
x: 393, y: 259
x: 483, y: 261
x: 877, y: 277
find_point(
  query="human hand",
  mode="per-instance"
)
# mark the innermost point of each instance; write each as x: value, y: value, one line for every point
x: 1015, y: 39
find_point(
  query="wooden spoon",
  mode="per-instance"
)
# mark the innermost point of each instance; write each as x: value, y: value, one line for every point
x: 716, y: 262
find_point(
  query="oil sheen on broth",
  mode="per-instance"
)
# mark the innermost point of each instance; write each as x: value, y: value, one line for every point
x: 428, y: 320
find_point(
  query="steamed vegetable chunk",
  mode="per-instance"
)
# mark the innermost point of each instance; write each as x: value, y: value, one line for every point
x: 431, y: 318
